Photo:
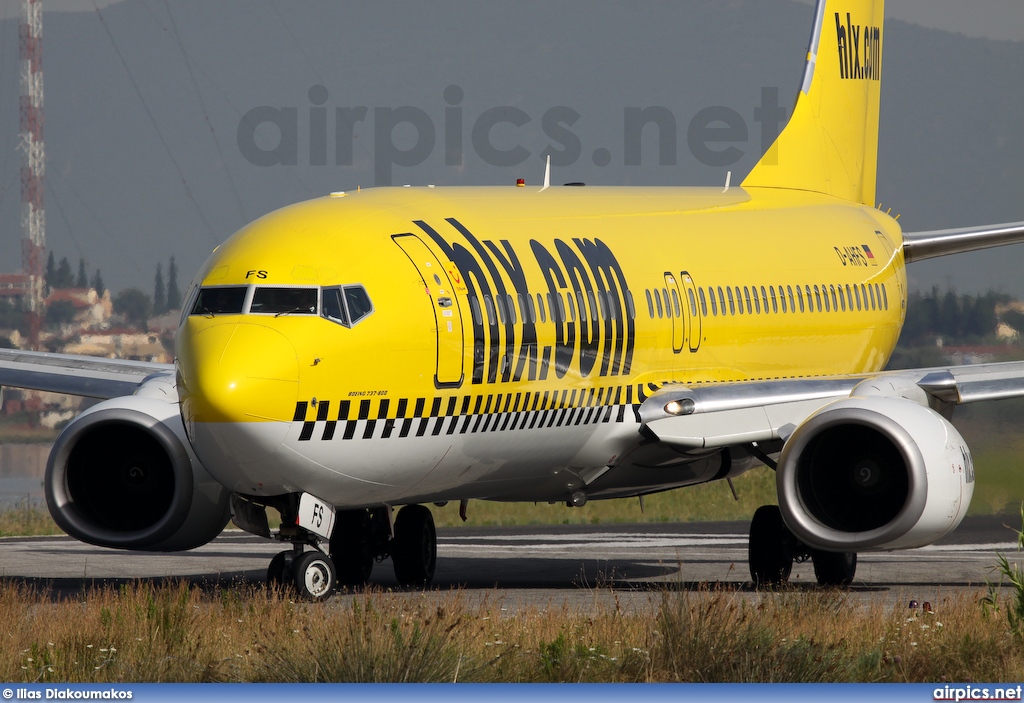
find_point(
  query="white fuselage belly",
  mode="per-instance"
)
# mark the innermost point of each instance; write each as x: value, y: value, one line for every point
x: 541, y: 454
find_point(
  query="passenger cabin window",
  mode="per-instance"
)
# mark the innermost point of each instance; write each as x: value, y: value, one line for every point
x: 284, y: 301
x: 499, y: 303
x: 223, y: 300
x: 348, y: 305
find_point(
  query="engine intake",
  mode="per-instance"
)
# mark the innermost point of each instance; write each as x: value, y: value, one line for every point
x: 121, y: 475
x: 874, y: 473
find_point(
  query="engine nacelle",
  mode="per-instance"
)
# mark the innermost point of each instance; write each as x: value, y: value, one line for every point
x: 868, y: 473
x: 122, y: 474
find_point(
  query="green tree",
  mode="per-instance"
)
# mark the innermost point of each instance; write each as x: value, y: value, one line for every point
x: 982, y: 321
x: 954, y: 317
x: 12, y: 316
x: 950, y: 317
x: 159, y: 292
x: 59, y: 312
x: 62, y: 278
x: 173, y: 293
x: 134, y: 305
x: 97, y: 283
x: 51, y: 271
x: 83, y: 279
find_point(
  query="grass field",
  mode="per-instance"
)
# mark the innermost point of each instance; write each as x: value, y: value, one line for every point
x: 142, y: 633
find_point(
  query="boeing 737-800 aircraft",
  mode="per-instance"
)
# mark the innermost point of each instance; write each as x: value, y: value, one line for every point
x: 394, y: 347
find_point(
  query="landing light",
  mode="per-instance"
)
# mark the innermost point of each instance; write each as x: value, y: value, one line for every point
x: 680, y: 407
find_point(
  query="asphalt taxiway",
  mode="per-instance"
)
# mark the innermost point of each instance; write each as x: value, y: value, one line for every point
x: 537, y: 565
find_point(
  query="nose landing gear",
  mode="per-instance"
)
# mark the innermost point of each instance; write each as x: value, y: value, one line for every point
x: 312, y: 574
x: 360, y: 538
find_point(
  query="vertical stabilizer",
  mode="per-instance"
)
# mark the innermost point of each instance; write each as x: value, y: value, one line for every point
x: 831, y: 142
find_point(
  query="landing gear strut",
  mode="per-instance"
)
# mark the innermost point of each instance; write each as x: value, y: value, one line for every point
x: 772, y: 549
x: 359, y: 538
x: 311, y: 574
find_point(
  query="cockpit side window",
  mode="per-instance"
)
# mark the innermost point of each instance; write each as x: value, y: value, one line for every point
x: 359, y: 305
x: 282, y: 301
x: 345, y: 305
x: 219, y: 300
x: 333, y: 307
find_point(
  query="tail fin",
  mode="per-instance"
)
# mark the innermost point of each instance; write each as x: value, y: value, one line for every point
x: 831, y: 142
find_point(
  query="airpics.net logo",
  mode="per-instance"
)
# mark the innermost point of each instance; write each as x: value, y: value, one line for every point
x: 408, y: 136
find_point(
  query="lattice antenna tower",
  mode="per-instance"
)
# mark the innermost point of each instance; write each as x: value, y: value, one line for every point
x: 33, y: 215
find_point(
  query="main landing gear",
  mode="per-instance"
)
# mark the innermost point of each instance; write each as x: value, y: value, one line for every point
x: 772, y: 549
x: 359, y: 539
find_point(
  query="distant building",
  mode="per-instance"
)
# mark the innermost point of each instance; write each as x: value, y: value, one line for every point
x: 91, y: 310
x: 121, y: 344
x: 14, y: 285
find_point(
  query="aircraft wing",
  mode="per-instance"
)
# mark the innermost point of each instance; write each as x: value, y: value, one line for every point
x: 87, y: 376
x: 728, y: 414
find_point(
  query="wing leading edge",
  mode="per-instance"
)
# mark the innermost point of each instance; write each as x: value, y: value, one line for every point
x: 87, y: 376
x: 730, y: 414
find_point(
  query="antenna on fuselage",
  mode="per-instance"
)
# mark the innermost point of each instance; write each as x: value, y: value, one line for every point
x: 728, y: 181
x: 547, y: 175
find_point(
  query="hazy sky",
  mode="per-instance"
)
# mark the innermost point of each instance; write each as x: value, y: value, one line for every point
x: 143, y: 164
x: 994, y: 19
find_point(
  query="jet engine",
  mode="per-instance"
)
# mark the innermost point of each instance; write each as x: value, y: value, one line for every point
x: 122, y: 474
x: 876, y: 473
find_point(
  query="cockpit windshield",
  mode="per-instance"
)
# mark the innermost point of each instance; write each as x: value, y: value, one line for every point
x: 220, y: 300
x: 344, y: 305
x: 282, y: 301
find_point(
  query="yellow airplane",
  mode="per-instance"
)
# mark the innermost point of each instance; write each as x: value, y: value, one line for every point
x: 345, y: 356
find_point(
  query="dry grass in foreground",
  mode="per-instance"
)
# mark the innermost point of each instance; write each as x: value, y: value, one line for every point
x: 178, y: 633
x: 27, y: 518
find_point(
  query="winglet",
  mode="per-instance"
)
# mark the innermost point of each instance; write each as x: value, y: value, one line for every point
x: 831, y: 142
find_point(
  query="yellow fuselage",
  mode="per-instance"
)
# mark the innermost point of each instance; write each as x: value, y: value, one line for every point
x: 488, y: 302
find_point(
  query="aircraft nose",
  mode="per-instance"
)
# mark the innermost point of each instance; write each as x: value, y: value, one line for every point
x: 236, y: 373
